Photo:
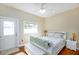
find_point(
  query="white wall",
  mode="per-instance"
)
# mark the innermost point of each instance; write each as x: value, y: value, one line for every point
x: 66, y: 21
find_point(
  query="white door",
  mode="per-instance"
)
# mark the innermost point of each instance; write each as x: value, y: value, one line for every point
x: 8, y: 34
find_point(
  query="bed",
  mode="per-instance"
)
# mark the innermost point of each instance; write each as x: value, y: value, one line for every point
x: 46, y: 45
x: 57, y: 45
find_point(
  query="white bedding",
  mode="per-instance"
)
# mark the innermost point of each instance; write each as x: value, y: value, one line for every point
x: 56, y: 46
x: 53, y: 40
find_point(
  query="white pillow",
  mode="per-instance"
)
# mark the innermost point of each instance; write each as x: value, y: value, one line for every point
x: 57, y: 34
x: 51, y: 34
x: 60, y: 35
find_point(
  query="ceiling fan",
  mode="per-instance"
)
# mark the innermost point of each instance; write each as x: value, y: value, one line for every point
x: 42, y: 8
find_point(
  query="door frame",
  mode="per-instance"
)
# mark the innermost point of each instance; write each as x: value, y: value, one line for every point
x: 17, y: 31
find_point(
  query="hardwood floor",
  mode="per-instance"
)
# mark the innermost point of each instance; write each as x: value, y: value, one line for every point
x: 64, y: 51
x: 20, y: 52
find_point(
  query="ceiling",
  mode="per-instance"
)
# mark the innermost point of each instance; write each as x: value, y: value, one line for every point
x: 51, y: 8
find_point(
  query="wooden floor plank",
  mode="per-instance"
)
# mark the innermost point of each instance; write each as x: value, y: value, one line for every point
x: 66, y: 51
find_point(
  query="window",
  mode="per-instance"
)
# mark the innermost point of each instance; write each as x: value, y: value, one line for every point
x: 8, y: 27
x: 30, y: 28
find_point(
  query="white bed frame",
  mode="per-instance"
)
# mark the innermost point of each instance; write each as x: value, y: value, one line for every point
x: 53, y: 50
x: 34, y: 50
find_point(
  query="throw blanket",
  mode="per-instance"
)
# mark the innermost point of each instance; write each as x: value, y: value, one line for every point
x: 40, y: 42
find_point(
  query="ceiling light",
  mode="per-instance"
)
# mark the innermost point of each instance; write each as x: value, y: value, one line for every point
x: 42, y: 9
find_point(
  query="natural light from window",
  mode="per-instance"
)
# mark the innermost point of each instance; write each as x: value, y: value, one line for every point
x: 30, y: 28
x: 8, y: 27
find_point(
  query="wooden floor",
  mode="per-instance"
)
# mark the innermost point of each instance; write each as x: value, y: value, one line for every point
x: 20, y: 52
x: 64, y: 51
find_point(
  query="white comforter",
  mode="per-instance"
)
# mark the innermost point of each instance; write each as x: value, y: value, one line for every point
x: 56, y: 44
x: 53, y: 40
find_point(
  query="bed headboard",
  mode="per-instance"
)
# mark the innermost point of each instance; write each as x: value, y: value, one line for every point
x: 58, y: 34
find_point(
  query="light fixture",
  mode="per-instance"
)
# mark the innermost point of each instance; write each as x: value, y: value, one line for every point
x: 42, y: 9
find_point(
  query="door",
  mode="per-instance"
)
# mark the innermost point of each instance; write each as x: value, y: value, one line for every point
x: 8, y: 34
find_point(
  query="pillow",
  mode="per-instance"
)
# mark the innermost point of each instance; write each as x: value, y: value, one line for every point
x: 51, y: 34
x: 57, y: 34
x: 60, y: 35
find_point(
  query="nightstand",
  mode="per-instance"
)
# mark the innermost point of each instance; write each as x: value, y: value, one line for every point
x: 71, y: 44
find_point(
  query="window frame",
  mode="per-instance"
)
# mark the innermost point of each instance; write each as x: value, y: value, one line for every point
x: 30, y: 29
